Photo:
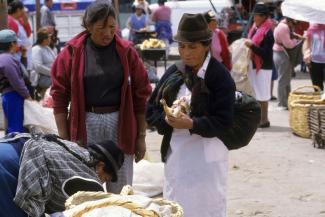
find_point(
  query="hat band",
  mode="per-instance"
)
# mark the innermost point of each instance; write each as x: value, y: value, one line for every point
x: 201, y: 33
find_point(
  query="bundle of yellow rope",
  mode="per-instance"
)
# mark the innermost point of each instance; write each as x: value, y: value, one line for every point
x: 84, y: 202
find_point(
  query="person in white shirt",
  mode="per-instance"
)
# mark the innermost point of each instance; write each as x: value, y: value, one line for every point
x: 42, y: 58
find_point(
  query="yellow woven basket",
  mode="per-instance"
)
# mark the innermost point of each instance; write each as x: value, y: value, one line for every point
x: 301, y: 93
x: 298, y: 116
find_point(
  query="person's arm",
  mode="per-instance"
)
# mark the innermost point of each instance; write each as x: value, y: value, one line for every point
x: 61, y: 121
x: 12, y: 73
x: 306, y: 51
x: 141, y: 89
x: 264, y: 50
x: 221, y: 109
x: 60, y: 91
x: 285, y: 38
x: 155, y: 115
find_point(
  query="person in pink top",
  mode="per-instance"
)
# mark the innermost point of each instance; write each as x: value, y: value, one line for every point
x: 219, y: 44
x: 316, y: 57
x: 284, y: 37
x: 161, y: 17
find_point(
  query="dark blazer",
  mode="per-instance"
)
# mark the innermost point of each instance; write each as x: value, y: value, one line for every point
x: 217, y: 114
x: 265, y: 50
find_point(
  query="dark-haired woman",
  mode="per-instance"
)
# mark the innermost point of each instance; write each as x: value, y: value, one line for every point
x: 104, y: 81
x: 196, y: 161
x: 43, y: 57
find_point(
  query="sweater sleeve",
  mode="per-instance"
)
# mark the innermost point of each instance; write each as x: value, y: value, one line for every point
x: 155, y: 114
x: 12, y: 73
x: 283, y: 37
x: 220, y: 115
x: 60, y: 75
x: 225, y: 53
x: 140, y: 84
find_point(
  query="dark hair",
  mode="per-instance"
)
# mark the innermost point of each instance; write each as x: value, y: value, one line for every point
x: 42, y: 34
x: 98, y: 10
x: 5, y: 46
x: 161, y: 2
x: 14, y: 6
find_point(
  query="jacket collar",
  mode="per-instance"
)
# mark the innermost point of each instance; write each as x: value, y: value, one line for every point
x: 203, y: 69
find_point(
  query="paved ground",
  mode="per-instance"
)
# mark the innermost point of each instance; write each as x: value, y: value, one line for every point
x: 277, y: 175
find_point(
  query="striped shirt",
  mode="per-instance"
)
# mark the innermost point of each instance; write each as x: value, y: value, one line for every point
x: 44, y: 167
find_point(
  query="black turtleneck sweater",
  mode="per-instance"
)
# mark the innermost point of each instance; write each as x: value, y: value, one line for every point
x: 103, y: 75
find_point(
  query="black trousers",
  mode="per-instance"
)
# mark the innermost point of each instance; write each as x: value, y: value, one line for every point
x: 317, y: 71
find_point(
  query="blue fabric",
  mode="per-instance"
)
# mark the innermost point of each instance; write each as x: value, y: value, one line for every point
x: 274, y: 73
x: 136, y: 23
x: 164, y: 31
x: 9, y: 168
x: 13, y: 108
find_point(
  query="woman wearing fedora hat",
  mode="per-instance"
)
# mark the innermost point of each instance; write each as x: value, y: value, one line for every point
x: 196, y: 161
x: 260, y: 43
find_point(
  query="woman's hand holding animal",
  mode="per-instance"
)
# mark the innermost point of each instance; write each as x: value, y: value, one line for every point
x: 183, y: 121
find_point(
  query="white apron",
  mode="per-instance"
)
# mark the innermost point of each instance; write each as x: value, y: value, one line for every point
x: 196, y: 172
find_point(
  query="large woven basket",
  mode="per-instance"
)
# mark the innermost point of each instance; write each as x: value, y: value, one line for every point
x: 316, y: 122
x: 298, y: 116
x: 301, y: 93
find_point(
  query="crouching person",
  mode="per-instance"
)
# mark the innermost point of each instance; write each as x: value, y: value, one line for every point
x: 47, y: 162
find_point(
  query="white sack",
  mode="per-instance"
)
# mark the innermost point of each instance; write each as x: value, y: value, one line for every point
x: 40, y: 117
x: 241, y: 64
x: 312, y: 11
x: 148, y: 178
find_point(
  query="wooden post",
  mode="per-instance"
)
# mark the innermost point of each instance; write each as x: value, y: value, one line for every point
x: 117, y: 10
x: 3, y: 14
x: 38, y: 14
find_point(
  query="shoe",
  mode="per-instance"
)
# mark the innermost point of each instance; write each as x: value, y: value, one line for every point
x: 265, y: 125
x: 273, y: 98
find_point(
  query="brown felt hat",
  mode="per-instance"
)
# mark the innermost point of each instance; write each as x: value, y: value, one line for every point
x: 192, y: 28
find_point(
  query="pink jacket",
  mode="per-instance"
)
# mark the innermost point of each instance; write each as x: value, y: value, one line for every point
x: 68, y: 87
x: 282, y: 37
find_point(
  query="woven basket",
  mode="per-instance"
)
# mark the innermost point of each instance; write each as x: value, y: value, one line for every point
x: 300, y: 93
x: 298, y: 116
x: 316, y: 122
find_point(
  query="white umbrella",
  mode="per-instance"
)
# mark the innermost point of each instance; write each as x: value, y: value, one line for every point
x: 312, y: 11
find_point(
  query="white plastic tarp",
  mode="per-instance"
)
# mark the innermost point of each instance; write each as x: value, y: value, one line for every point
x: 312, y: 11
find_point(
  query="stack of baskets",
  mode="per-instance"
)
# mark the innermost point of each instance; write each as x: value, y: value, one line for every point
x: 316, y: 120
x: 300, y: 101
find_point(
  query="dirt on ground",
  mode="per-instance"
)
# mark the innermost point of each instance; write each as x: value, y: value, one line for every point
x: 277, y: 175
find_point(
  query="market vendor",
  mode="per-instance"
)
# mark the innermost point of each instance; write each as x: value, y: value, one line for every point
x: 46, y: 163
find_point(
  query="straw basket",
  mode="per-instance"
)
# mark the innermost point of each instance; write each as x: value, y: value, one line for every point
x: 300, y: 93
x: 316, y: 121
x: 298, y: 116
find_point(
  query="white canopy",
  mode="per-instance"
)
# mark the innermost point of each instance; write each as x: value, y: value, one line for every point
x: 312, y: 11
